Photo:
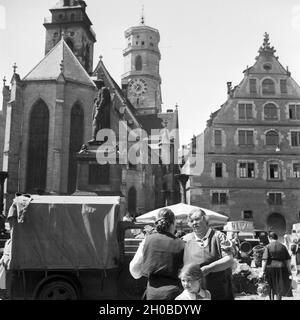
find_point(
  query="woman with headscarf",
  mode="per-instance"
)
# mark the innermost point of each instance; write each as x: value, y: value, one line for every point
x: 159, y: 258
x: 276, y: 265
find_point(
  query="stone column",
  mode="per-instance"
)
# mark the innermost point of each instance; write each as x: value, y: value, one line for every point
x: 182, y: 179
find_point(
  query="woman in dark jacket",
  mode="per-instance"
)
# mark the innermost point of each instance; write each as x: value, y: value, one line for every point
x: 159, y: 258
x: 276, y: 265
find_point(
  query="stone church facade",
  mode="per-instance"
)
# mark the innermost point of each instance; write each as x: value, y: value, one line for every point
x: 250, y: 168
x: 47, y: 117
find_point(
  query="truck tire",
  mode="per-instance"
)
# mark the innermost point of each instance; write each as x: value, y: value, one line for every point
x: 57, y: 290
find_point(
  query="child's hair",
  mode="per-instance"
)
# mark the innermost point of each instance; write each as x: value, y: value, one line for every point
x: 193, y: 271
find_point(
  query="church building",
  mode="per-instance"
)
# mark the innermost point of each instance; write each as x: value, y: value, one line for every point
x: 48, y: 116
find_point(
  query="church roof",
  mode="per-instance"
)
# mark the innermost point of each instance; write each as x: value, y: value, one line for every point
x: 60, y: 61
x: 102, y: 72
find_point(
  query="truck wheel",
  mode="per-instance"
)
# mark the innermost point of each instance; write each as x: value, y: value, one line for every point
x: 57, y: 290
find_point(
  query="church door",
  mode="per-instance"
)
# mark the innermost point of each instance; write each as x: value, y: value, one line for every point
x: 76, y: 141
x: 37, y: 152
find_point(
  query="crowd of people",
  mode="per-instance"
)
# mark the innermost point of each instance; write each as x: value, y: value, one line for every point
x: 198, y: 265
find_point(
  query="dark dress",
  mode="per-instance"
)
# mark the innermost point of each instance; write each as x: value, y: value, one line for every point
x: 277, y: 273
x: 162, y: 259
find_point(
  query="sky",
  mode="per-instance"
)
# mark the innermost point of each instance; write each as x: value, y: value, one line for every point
x: 203, y: 44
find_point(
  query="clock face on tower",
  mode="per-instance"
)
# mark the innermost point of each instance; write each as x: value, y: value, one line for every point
x: 137, y: 87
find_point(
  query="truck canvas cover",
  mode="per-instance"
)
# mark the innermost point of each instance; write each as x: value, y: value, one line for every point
x: 66, y: 232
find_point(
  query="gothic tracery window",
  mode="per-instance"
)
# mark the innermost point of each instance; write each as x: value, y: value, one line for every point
x: 37, y: 152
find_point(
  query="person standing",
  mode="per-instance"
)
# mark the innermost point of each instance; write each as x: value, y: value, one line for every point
x: 159, y: 258
x: 213, y: 252
x: 276, y: 266
x: 295, y: 249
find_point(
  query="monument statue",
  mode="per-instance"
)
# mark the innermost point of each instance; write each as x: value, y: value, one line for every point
x: 101, y: 109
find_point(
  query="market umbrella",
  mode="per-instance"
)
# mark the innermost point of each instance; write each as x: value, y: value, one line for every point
x: 181, y: 211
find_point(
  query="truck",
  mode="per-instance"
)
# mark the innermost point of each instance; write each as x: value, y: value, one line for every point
x: 72, y: 248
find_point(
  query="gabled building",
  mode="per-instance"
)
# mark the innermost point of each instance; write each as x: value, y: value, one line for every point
x: 250, y: 168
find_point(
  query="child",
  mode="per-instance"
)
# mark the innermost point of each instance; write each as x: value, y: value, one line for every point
x: 192, y: 280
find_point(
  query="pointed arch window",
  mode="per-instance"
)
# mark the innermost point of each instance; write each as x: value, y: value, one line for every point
x: 76, y: 141
x: 272, y: 138
x: 138, y: 63
x: 268, y: 86
x: 37, y: 152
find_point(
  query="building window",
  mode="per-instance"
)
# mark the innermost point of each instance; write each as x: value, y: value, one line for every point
x: 270, y: 112
x: 138, y: 63
x: 272, y: 138
x: 252, y: 83
x: 143, y: 42
x: 98, y: 173
x: 275, y: 198
x: 245, y: 137
x: 247, y: 214
x: 294, y: 111
x: 296, y: 170
x: 295, y: 137
x: 268, y: 86
x: 218, y: 137
x: 218, y: 169
x: 283, y: 86
x: 245, y: 111
x: 246, y: 170
x: 273, y: 171
x: 219, y: 198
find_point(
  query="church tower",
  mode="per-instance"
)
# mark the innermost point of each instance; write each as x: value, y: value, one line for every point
x: 141, y: 79
x: 70, y: 21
